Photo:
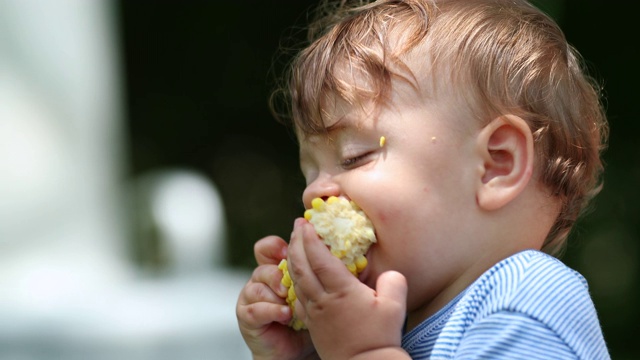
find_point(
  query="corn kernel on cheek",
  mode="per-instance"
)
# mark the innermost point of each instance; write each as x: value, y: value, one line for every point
x: 345, y: 229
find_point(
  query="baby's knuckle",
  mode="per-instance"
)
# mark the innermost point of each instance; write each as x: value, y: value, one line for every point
x: 255, y: 275
x: 275, y: 277
x: 244, y: 313
x: 259, y: 291
x: 250, y: 310
x: 296, y: 272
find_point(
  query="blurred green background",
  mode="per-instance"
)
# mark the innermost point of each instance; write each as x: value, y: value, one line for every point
x: 196, y: 83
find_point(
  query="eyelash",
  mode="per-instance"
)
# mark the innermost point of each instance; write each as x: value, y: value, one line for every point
x: 353, y: 162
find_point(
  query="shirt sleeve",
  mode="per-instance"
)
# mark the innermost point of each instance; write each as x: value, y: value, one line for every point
x: 511, y: 335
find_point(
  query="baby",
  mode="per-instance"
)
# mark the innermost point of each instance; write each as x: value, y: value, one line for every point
x: 492, y: 134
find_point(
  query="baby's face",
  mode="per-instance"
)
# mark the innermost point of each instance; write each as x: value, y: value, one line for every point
x: 418, y: 189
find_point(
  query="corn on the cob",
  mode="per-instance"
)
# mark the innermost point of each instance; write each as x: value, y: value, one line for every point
x: 345, y: 228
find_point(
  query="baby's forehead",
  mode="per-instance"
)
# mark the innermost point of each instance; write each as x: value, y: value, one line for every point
x: 338, y: 113
x: 335, y: 129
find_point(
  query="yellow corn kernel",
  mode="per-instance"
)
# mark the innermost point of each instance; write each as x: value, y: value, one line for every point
x: 332, y: 200
x: 338, y: 253
x: 383, y: 140
x: 291, y: 295
x: 286, y: 279
x: 361, y: 263
x: 297, y: 324
x: 307, y: 214
x: 317, y: 204
x: 283, y: 265
x: 353, y: 268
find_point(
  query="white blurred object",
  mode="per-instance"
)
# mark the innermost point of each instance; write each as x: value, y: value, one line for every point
x: 60, y: 155
x: 190, y: 218
x: 67, y: 290
x: 32, y: 153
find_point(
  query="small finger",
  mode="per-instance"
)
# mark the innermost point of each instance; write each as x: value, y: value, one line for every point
x: 306, y: 283
x: 300, y: 311
x: 270, y: 275
x: 329, y: 270
x: 270, y: 250
x: 256, y: 292
x: 257, y: 315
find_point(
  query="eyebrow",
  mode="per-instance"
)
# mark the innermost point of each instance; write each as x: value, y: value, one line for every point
x: 337, y: 126
x: 327, y: 131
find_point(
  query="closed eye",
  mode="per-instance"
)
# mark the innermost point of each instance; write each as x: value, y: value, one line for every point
x: 355, y: 161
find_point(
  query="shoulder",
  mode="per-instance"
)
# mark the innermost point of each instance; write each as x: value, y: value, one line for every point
x: 534, y: 290
x: 534, y: 284
x: 535, y: 277
x: 531, y: 265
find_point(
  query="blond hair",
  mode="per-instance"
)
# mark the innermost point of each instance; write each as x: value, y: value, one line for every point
x: 508, y: 56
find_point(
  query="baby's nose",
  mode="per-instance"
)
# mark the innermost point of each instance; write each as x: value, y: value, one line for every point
x: 322, y: 187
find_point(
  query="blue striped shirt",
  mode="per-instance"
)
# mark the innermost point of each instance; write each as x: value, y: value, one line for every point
x: 528, y: 306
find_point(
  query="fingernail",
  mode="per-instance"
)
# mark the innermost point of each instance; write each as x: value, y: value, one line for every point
x: 286, y: 314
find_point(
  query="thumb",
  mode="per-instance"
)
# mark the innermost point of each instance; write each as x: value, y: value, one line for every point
x: 393, y: 285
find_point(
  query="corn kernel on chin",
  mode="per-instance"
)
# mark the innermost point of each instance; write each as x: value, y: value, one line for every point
x: 345, y: 229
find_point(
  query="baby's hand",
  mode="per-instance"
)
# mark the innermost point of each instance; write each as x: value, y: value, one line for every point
x: 346, y: 318
x: 262, y: 312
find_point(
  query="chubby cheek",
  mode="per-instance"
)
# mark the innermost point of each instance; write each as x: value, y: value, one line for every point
x: 396, y: 236
x: 402, y: 233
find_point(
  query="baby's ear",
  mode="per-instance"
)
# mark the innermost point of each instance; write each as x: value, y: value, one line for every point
x: 506, y: 148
